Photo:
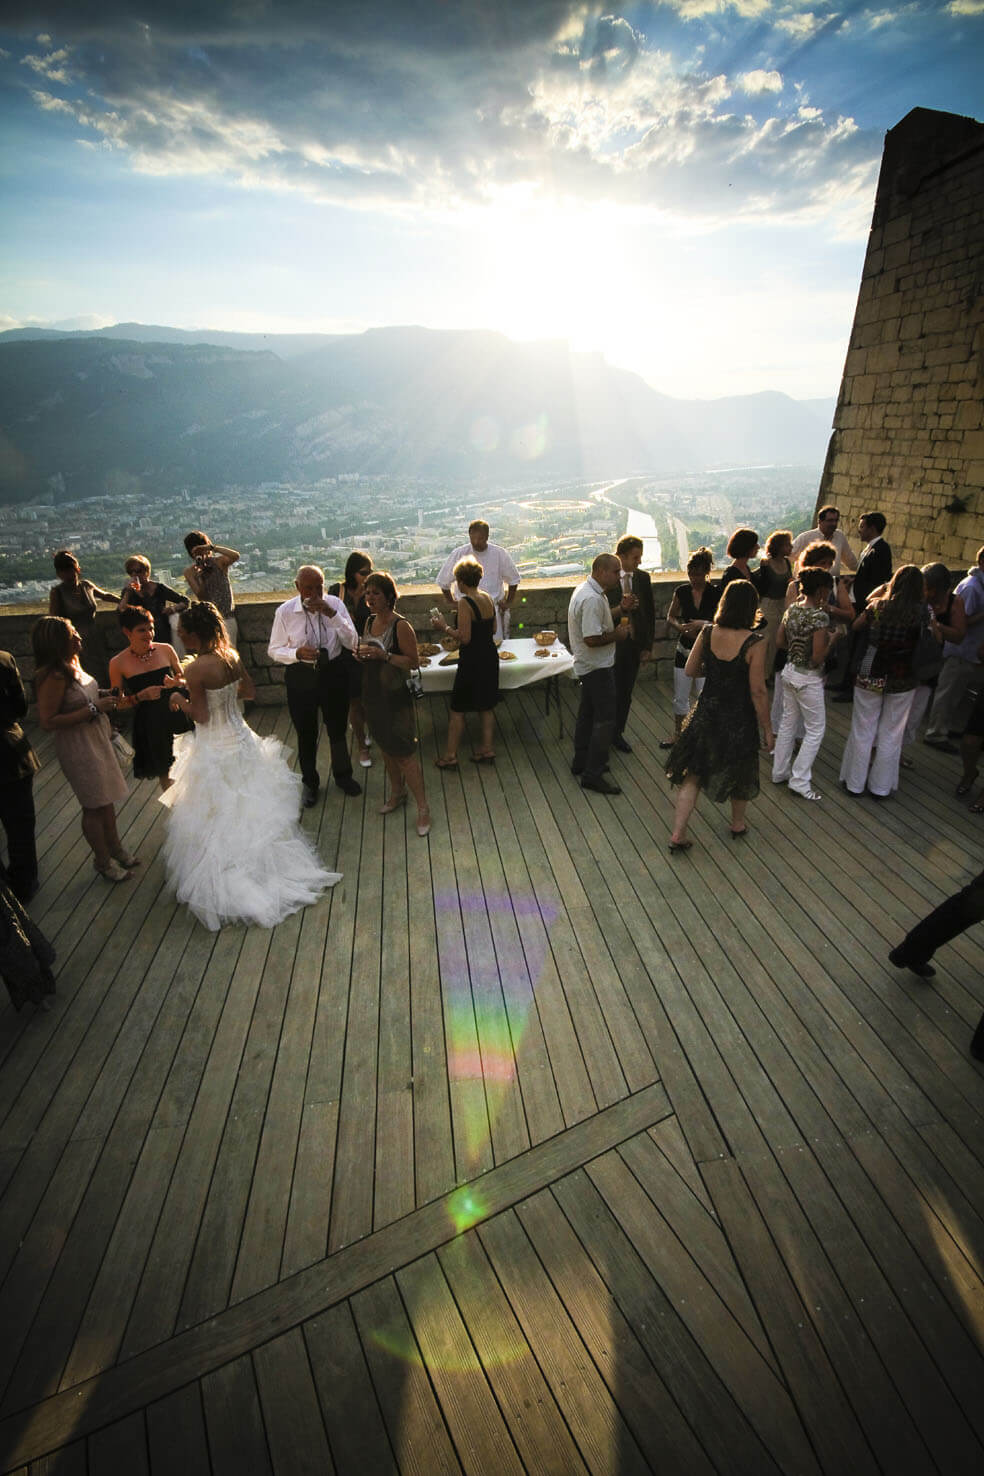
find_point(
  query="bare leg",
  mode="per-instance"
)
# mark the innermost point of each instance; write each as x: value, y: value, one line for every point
x: 357, y: 721
x: 738, y: 808
x: 94, y: 830
x: 396, y: 785
x: 456, y: 729
x: 685, y: 801
x: 414, y: 779
x: 488, y: 723
x: 970, y: 752
x: 165, y: 782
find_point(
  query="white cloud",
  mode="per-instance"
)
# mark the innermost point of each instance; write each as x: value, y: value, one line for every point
x: 53, y: 66
x: 759, y: 81
x: 801, y: 27
x: 966, y: 7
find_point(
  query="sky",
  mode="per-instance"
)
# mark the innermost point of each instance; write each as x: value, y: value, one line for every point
x: 685, y: 186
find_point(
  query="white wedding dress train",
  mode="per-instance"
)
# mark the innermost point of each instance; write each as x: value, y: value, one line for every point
x: 234, y: 851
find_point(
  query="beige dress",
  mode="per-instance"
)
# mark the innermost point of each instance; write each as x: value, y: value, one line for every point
x: 85, y: 752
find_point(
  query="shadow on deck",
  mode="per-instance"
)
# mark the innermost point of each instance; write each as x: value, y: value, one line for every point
x: 527, y: 1149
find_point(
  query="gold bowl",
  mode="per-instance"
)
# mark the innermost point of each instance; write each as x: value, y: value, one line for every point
x: 545, y: 637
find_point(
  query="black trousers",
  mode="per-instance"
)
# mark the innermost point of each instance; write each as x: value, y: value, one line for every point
x: 312, y: 691
x: 627, y: 657
x: 17, y: 819
x: 954, y: 916
x: 595, y: 725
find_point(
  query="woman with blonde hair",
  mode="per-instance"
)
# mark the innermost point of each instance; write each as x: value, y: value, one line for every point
x: 72, y: 708
x: 476, y: 681
x: 884, y: 685
x: 234, y: 851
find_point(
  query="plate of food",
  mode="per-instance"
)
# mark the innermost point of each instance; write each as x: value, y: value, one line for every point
x: 507, y: 655
x: 428, y: 648
x: 451, y: 659
x: 422, y: 660
x: 542, y: 652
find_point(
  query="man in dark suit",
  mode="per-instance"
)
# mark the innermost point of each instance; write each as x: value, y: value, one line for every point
x: 874, y: 568
x: 875, y: 563
x: 635, y: 586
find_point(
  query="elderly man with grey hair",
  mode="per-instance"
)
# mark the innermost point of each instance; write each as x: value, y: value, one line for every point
x: 592, y: 635
x: 314, y: 638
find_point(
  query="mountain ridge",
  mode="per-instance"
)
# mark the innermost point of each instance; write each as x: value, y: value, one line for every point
x: 85, y: 412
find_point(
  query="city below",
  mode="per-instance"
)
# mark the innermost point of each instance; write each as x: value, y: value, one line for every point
x: 407, y: 527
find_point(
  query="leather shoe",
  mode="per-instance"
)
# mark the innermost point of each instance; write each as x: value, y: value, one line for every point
x: 309, y: 796
x: 667, y: 742
x: 898, y: 958
x: 621, y: 745
x: 601, y: 785
x: 348, y: 785
x: 578, y: 769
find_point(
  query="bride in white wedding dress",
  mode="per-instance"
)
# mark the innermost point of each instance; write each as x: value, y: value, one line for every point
x: 234, y: 850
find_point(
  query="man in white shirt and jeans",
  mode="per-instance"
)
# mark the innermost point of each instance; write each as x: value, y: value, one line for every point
x: 314, y: 638
x: 827, y: 531
x: 592, y: 634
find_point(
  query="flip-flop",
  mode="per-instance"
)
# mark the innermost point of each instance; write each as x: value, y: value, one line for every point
x: 679, y: 846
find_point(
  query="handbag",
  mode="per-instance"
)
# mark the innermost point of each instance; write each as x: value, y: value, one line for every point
x: 122, y: 752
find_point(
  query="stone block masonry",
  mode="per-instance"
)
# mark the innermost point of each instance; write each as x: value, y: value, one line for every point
x: 908, y: 436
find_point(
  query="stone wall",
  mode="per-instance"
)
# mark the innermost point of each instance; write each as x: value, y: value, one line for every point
x: 908, y: 435
x: 540, y: 605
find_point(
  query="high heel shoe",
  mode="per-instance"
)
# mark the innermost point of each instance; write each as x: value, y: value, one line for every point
x: 423, y: 826
x: 112, y: 871
x: 393, y: 803
x: 126, y: 859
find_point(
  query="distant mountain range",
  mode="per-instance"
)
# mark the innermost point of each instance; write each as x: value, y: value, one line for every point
x: 157, y: 409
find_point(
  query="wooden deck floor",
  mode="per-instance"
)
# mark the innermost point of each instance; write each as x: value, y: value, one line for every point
x: 527, y: 1149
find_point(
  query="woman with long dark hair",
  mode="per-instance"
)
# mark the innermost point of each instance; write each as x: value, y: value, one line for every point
x: 691, y: 608
x: 234, y: 851
x: 74, y: 598
x: 718, y: 748
x: 388, y: 650
x: 351, y: 590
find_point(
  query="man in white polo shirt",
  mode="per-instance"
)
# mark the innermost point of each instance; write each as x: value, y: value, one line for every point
x: 592, y: 635
x: 827, y: 531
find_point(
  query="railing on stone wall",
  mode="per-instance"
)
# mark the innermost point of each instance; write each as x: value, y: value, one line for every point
x: 540, y: 605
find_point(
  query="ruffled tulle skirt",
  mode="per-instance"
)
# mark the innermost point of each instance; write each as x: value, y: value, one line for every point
x: 234, y: 850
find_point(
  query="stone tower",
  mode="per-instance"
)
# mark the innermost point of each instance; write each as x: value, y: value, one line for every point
x: 908, y: 436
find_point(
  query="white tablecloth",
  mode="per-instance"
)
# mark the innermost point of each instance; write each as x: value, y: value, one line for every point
x: 526, y: 669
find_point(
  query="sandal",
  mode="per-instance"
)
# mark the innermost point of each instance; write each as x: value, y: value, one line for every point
x: 393, y: 803
x: 679, y: 846
x: 126, y: 859
x: 738, y: 834
x: 966, y: 785
x: 113, y: 871
x: 446, y: 763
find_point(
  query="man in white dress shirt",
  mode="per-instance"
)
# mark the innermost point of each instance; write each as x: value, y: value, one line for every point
x: 827, y: 531
x: 592, y: 635
x: 314, y: 638
x: 498, y: 572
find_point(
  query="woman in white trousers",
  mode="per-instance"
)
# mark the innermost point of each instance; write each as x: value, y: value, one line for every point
x: 806, y: 636
x: 884, y: 685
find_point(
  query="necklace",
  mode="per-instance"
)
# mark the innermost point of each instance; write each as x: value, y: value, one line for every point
x: 147, y: 654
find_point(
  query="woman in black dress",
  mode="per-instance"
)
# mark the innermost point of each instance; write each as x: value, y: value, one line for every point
x: 147, y: 672
x: 742, y: 546
x: 144, y: 593
x: 476, y: 682
x: 351, y: 591
x: 718, y: 749
x: 691, y: 608
x: 388, y: 652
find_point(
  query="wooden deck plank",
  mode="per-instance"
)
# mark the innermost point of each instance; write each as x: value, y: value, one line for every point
x: 176, y: 1434
x: 291, y: 1414
x: 120, y: 1447
x: 236, y: 1437
x: 352, y: 1416
x: 309, y: 1210
x: 395, y: 1189
x: 603, y: 1437
x: 417, y: 1431
x: 479, y: 1432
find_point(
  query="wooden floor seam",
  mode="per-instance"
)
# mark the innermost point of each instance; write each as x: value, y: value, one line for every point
x: 28, y: 1434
